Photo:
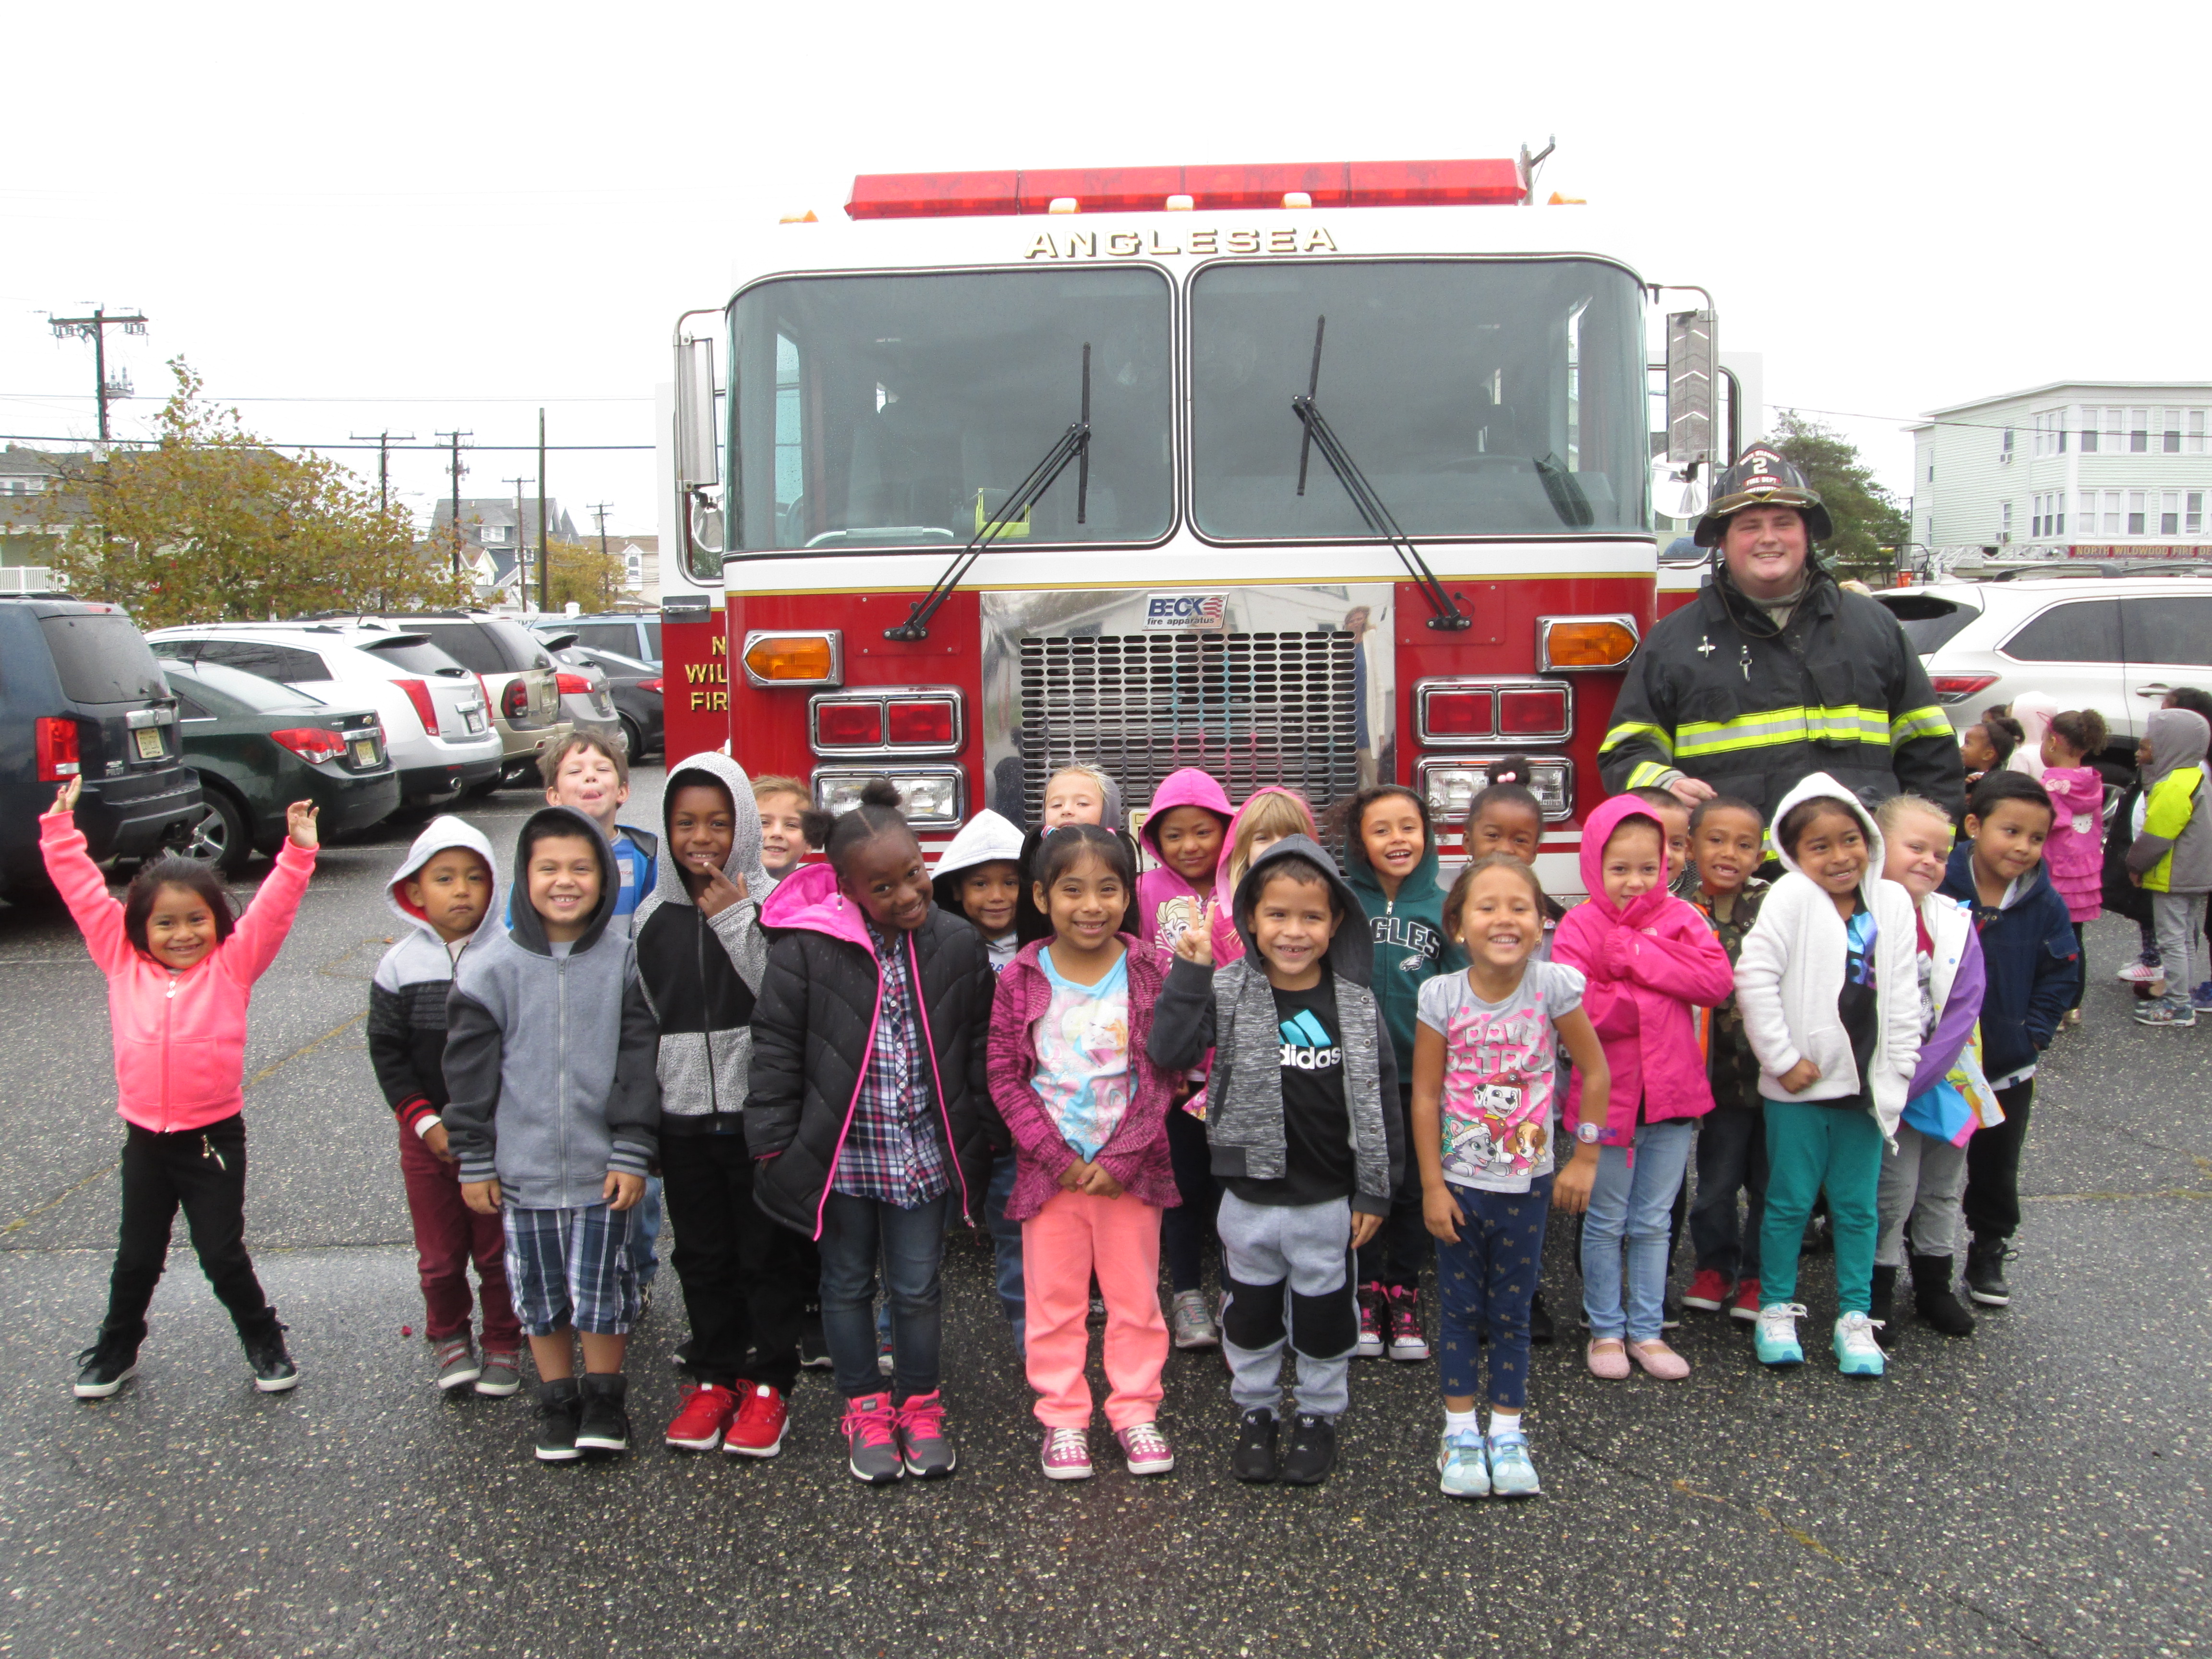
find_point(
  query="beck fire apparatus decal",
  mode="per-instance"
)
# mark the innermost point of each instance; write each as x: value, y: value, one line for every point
x: 1194, y: 613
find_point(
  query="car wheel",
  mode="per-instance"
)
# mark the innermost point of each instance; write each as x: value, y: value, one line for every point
x: 634, y: 753
x: 219, y: 836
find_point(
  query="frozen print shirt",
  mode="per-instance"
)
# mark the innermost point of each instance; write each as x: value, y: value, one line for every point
x: 1083, y: 1055
x: 1501, y: 1073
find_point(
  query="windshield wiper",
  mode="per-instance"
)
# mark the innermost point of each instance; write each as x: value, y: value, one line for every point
x: 1073, y: 445
x: 1447, y: 614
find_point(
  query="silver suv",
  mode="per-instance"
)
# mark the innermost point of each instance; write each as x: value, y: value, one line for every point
x: 433, y: 710
x: 2111, y: 638
x: 519, y: 681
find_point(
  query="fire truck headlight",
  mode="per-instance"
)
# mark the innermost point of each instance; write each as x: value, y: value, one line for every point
x: 933, y: 796
x: 1450, y: 786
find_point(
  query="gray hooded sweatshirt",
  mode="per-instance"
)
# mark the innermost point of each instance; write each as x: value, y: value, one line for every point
x: 549, y: 1054
x: 1233, y: 1011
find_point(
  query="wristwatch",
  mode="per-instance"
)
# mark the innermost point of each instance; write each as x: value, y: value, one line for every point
x: 1587, y: 1134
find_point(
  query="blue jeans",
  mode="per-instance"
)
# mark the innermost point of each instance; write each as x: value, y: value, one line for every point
x: 1731, y: 1159
x: 1635, y: 1204
x: 1007, y: 1249
x: 911, y: 1245
x: 645, y: 1233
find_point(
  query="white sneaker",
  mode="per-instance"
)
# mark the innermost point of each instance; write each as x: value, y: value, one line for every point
x: 1193, y: 1326
x: 1857, y: 1354
x: 2141, y: 973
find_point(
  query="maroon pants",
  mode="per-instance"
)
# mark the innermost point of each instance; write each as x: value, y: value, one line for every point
x: 447, y: 1236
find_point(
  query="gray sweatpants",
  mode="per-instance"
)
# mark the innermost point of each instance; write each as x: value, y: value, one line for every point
x: 1921, y: 1182
x: 1289, y: 1285
x: 2178, y: 920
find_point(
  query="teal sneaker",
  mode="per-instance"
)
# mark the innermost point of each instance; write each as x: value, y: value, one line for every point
x: 1511, y: 1473
x: 1857, y: 1354
x: 1461, y: 1461
x: 1775, y: 1338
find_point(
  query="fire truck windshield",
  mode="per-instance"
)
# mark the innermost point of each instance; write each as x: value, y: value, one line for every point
x: 1482, y: 398
x: 885, y: 412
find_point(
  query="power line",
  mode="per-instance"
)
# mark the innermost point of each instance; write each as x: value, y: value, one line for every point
x: 271, y: 443
x: 94, y: 328
x: 383, y: 441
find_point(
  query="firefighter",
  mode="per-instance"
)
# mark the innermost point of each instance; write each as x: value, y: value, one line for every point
x: 1775, y: 672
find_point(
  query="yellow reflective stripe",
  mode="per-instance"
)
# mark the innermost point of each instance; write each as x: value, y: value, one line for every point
x: 1929, y: 722
x: 1628, y: 730
x: 1645, y: 773
x: 1773, y: 727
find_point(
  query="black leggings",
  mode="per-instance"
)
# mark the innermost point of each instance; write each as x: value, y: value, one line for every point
x: 2080, y: 963
x: 202, y: 1171
x: 1184, y: 1230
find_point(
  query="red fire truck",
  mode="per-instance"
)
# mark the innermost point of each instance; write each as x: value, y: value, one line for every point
x: 1309, y: 475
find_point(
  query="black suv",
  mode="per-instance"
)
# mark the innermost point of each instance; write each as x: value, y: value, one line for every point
x: 81, y: 696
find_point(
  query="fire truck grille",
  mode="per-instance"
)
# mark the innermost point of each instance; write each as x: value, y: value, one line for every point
x: 1251, y: 709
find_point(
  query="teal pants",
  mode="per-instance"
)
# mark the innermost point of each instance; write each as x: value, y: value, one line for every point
x: 1810, y: 1145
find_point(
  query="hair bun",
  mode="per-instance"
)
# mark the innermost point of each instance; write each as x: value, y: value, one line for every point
x: 879, y: 792
x: 1511, y: 769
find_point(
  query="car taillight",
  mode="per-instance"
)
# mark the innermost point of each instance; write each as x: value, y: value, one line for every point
x: 514, y: 701
x: 572, y: 685
x: 58, y: 756
x: 848, y: 724
x: 1531, y: 712
x: 1957, y: 688
x: 917, y: 721
x: 310, y: 743
x: 653, y: 686
x: 418, y: 693
x: 1460, y: 715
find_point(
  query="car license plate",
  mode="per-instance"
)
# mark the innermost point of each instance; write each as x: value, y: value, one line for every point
x: 471, y: 720
x: 364, y: 751
x: 149, y: 738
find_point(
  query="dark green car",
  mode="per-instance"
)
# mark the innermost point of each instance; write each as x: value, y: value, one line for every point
x: 258, y: 747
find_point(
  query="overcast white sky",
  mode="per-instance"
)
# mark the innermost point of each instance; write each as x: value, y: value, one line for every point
x: 421, y: 217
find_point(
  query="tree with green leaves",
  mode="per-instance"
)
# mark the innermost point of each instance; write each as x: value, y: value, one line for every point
x: 1871, y: 526
x: 209, y: 524
x: 581, y: 575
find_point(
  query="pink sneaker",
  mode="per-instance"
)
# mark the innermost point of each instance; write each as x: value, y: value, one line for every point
x: 1067, y: 1455
x: 1660, y: 1360
x: 1607, y: 1358
x: 1146, y: 1449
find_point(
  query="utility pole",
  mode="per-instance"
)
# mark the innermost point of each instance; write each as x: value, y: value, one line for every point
x: 544, y: 562
x: 458, y: 470
x: 521, y: 544
x: 94, y: 328
x: 384, y: 442
x: 599, y: 511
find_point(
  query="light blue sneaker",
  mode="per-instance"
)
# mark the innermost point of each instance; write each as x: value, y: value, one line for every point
x: 1857, y: 1354
x: 1461, y: 1461
x: 1511, y: 1473
x: 1775, y: 1338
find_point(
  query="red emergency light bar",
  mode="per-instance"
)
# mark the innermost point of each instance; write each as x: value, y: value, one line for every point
x: 1146, y: 189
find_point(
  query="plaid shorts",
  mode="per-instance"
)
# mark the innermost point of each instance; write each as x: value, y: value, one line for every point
x: 572, y: 1267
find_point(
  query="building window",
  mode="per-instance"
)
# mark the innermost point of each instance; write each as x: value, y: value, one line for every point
x: 2089, y: 431
x: 2193, y: 443
x: 2170, y: 431
x: 2135, y: 512
x: 2192, y: 513
x: 2004, y: 521
x: 1931, y: 466
x: 2050, y: 432
x: 2138, y: 432
x: 2004, y: 448
x: 2115, y: 434
x: 2169, y: 513
x: 2111, y: 522
x: 494, y: 535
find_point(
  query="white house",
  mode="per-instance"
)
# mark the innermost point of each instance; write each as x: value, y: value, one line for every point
x: 2077, y: 469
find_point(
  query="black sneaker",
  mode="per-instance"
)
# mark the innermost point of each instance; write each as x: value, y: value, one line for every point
x: 105, y: 1366
x: 605, y: 1425
x: 813, y: 1351
x: 1255, y: 1458
x: 1986, y: 1280
x: 559, y: 1408
x: 1670, y: 1312
x: 1312, y: 1452
x: 1540, y: 1320
x: 273, y: 1370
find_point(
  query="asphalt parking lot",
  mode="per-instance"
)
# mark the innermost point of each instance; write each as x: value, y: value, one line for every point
x: 2040, y: 1489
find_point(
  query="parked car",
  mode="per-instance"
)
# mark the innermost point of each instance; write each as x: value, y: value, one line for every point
x: 2116, y: 640
x: 634, y: 685
x: 437, y: 723
x: 635, y: 635
x: 518, y: 679
x: 585, y: 700
x: 81, y: 696
x: 258, y: 747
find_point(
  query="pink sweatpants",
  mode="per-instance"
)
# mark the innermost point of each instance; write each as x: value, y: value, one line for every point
x: 1062, y: 1245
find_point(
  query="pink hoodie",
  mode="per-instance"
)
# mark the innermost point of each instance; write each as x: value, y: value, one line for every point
x: 180, y: 1038
x: 1228, y: 943
x: 1646, y: 962
x: 2076, y: 856
x: 1166, y: 904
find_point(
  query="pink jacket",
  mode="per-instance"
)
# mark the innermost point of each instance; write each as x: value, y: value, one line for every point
x: 1136, y: 1154
x: 1228, y: 943
x: 180, y: 1038
x: 2077, y: 857
x: 1646, y: 965
x: 1166, y: 904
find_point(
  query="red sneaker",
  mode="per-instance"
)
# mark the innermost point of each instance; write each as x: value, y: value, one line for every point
x: 707, y: 1411
x: 1746, y: 1305
x: 1708, y: 1291
x: 758, y: 1430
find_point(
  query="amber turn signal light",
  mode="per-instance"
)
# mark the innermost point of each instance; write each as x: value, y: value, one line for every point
x: 1585, y: 641
x: 815, y: 659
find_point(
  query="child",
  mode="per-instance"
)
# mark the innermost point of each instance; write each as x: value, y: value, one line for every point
x: 1831, y: 1001
x: 1725, y: 835
x: 1267, y: 816
x: 1646, y: 957
x: 1087, y: 1109
x: 1671, y: 811
x: 700, y: 956
x: 2074, y: 852
x: 1076, y: 793
x: 2172, y: 856
x: 979, y: 876
x: 1486, y: 1064
x: 1390, y: 861
x: 550, y: 1049
x: 1186, y: 829
x: 1921, y: 1181
x: 583, y: 771
x: 1305, y: 1137
x: 1988, y: 747
x: 2032, y: 713
x: 443, y: 891
x: 179, y: 973
x: 869, y: 1111
x: 782, y: 804
x: 2029, y: 967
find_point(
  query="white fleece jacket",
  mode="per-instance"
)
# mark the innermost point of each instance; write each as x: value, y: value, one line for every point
x: 1791, y: 972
